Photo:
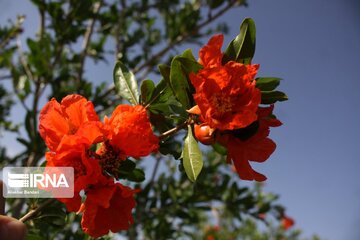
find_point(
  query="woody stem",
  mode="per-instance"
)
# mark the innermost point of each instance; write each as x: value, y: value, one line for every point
x: 175, y: 129
x: 32, y: 213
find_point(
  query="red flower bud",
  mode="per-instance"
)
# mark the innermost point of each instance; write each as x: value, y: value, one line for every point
x: 204, y: 134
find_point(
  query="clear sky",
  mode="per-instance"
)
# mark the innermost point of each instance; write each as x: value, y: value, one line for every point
x: 314, y: 45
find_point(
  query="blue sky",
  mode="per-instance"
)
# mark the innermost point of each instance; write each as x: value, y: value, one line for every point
x: 314, y: 45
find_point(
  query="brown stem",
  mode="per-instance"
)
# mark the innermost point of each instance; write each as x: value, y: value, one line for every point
x: 175, y: 129
x: 184, y: 36
x: 34, y: 212
x: 156, y: 167
x: 86, y: 41
x: 23, y: 60
x: 178, y: 40
x: 5, y: 77
x: 42, y: 22
x: 14, y: 33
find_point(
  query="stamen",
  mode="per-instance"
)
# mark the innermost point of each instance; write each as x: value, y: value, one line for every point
x: 110, y: 160
x: 222, y: 103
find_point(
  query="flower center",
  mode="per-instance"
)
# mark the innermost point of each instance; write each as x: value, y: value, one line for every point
x: 221, y: 102
x: 72, y: 128
x: 110, y: 160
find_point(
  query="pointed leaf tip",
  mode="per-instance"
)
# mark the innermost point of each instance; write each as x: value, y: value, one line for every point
x: 125, y: 83
x: 192, y: 156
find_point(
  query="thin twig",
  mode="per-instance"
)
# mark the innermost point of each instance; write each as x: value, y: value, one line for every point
x: 184, y: 37
x: 87, y: 39
x: 34, y: 212
x: 175, y: 129
x: 17, y: 30
x: 5, y: 77
x: 42, y: 22
x: 23, y: 60
x: 156, y: 167
x: 118, y: 38
x: 178, y: 40
x: 27, y: 70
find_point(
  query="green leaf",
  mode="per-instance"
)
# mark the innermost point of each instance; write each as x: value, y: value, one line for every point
x: 137, y: 175
x: 170, y: 146
x: 219, y: 149
x: 242, y: 48
x: 165, y: 72
x: 269, y: 97
x: 125, y: 83
x: 160, y: 97
x: 34, y: 237
x: 179, y: 83
x: 127, y: 166
x: 147, y: 88
x: 24, y: 142
x: 188, y: 54
x: 181, y: 67
x: 192, y: 157
x: 162, y: 92
x: 214, y: 3
x: 159, y: 108
x: 189, y: 65
x: 267, y: 83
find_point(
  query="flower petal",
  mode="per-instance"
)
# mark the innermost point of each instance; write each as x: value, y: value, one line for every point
x: 130, y: 131
x: 210, y: 54
x: 78, y: 110
x: 98, y: 219
x: 53, y: 125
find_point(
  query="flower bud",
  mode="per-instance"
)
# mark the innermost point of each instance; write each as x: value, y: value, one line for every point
x: 204, y: 134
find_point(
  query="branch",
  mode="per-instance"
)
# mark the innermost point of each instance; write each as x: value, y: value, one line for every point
x: 178, y: 40
x: 156, y: 167
x: 23, y: 60
x: 184, y: 37
x: 27, y: 70
x: 87, y: 38
x: 5, y: 77
x: 42, y: 22
x: 34, y: 212
x: 175, y: 129
x: 13, y: 33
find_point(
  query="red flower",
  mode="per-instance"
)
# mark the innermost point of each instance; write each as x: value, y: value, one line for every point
x: 130, y: 131
x: 73, y: 152
x: 70, y: 129
x: 226, y: 95
x: 241, y: 152
x: 58, y: 120
x: 107, y: 208
x: 257, y: 148
x: 287, y: 222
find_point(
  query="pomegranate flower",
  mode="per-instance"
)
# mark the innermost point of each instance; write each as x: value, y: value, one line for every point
x: 130, y: 131
x: 107, y: 208
x: 226, y: 95
x: 74, y: 152
x: 65, y: 118
x: 256, y: 148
